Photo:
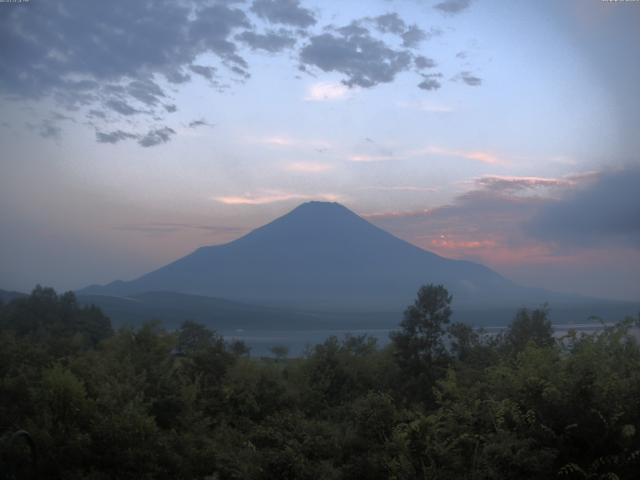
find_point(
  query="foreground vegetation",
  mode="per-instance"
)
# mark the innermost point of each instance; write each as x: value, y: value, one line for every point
x: 78, y: 400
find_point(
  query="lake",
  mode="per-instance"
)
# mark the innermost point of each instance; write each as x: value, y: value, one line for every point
x: 297, y: 341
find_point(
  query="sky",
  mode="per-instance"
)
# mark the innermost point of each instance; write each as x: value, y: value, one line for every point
x: 499, y: 132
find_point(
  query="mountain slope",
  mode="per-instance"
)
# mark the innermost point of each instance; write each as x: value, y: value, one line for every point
x: 322, y: 255
x: 173, y: 308
x: 6, y: 296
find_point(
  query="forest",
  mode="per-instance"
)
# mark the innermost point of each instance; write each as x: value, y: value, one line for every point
x: 80, y: 400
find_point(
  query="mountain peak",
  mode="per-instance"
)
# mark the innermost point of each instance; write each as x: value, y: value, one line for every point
x: 316, y: 219
x: 319, y: 203
x: 316, y: 206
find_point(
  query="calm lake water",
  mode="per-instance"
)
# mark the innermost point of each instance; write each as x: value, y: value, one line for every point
x: 297, y: 341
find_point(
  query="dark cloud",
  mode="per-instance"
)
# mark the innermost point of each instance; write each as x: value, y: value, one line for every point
x: 271, y: 41
x: 423, y: 62
x: 114, y: 137
x: 121, y: 107
x: 603, y: 210
x: 353, y: 29
x: 430, y: 82
x: 286, y: 12
x: 112, y: 55
x: 156, y: 137
x: 153, y: 137
x: 390, y: 23
x: 59, y: 116
x: 199, y: 123
x: 104, y: 41
x: 177, y: 77
x: 412, y: 37
x: 204, y: 71
x: 469, y: 79
x: 212, y: 31
x: 241, y: 72
x: 97, y: 114
x: 518, y: 184
x: 452, y: 7
x: 116, y: 59
x: 146, y: 91
x: 46, y: 129
x: 364, y: 60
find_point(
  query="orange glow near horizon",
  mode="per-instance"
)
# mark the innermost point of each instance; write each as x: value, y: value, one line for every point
x: 498, y: 253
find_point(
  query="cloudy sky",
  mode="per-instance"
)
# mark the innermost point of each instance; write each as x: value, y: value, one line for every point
x: 502, y: 132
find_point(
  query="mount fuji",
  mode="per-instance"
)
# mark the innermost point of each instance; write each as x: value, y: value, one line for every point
x: 322, y: 255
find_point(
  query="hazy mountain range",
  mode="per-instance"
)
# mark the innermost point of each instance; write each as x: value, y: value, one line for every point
x: 6, y: 296
x: 321, y: 261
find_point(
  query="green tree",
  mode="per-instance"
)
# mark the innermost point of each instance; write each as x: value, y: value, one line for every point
x: 463, y: 340
x: 420, y: 348
x: 56, y: 320
x: 529, y: 327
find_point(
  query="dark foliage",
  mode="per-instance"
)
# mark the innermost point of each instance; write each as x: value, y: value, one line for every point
x: 79, y: 401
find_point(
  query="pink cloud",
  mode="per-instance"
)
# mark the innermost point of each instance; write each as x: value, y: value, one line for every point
x: 308, y: 167
x: 475, y: 155
x: 286, y: 141
x: 512, y: 183
x: 273, y: 197
x: 372, y: 158
x: 487, y: 158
